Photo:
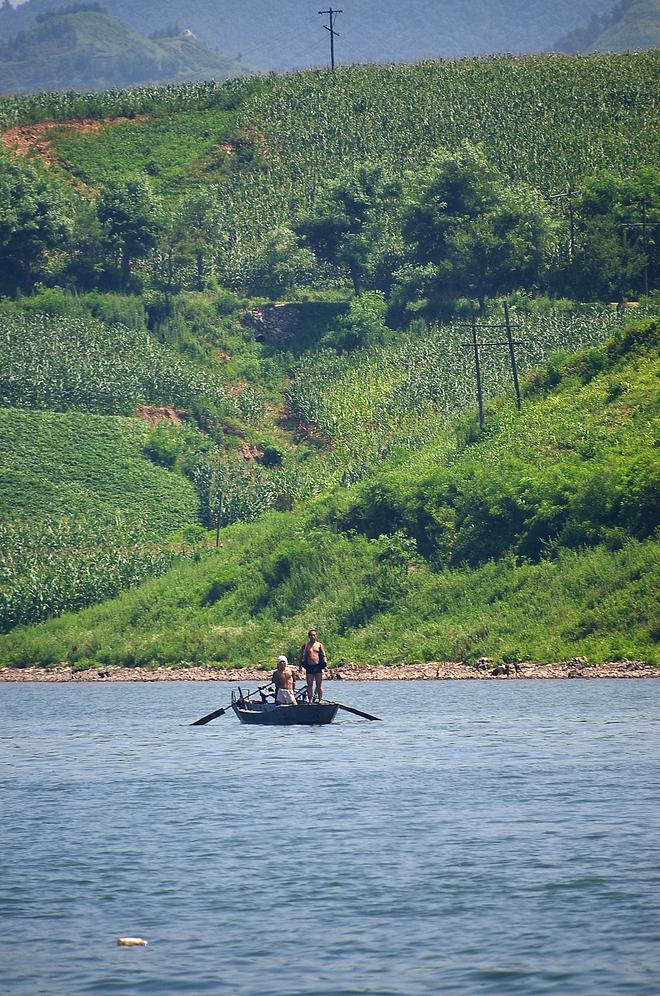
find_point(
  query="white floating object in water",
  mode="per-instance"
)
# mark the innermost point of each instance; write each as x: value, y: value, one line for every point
x: 131, y: 942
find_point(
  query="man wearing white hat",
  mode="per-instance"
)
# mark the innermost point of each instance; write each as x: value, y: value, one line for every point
x: 284, y: 680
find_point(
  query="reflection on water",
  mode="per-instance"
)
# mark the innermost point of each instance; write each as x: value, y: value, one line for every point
x: 485, y: 838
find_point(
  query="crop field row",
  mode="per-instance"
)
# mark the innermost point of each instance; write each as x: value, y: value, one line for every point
x: 164, y: 99
x: 80, y: 363
x: 56, y: 465
x: 84, y: 513
x: 545, y: 120
x: 47, y: 568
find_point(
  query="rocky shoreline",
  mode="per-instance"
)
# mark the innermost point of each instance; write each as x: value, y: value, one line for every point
x: 482, y: 670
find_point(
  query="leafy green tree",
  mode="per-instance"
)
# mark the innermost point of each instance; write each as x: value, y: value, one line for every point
x: 472, y: 232
x: 133, y: 220
x: 199, y: 220
x: 611, y: 250
x: 350, y: 220
x: 282, y: 263
x: 35, y: 218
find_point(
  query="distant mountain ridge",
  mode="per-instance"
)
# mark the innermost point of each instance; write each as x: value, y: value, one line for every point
x: 87, y: 49
x: 633, y: 24
x: 290, y: 34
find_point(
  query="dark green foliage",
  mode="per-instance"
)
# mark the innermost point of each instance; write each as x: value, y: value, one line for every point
x: 611, y: 246
x: 35, y: 217
x: 349, y: 220
x: 473, y: 233
x: 133, y: 220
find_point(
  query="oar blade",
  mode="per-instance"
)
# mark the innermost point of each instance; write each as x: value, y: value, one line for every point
x: 211, y: 716
x: 356, y: 712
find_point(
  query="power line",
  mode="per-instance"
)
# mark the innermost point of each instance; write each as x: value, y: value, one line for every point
x: 333, y: 34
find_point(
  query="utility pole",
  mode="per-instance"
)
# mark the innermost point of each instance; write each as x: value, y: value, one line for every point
x: 477, y: 365
x: 643, y: 226
x: 512, y: 355
x: 568, y: 195
x: 218, y: 522
x: 331, y: 14
x: 477, y: 346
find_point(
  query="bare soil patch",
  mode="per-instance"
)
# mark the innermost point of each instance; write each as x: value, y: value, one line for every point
x: 24, y: 140
x: 154, y: 414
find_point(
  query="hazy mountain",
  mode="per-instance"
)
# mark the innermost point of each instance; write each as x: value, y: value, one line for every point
x: 276, y: 34
x: 89, y: 50
x: 633, y: 24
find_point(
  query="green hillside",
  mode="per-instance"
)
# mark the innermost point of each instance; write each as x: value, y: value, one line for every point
x: 289, y: 34
x: 631, y: 25
x: 90, y: 50
x: 531, y: 542
x: 284, y: 272
x: 544, y: 120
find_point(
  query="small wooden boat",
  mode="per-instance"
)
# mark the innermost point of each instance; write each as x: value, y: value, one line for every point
x: 269, y: 714
x: 266, y: 713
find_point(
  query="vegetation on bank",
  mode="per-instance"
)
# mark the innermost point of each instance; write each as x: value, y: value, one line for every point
x: 340, y: 356
x: 404, y: 568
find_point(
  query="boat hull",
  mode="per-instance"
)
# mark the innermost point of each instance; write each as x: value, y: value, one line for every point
x: 303, y: 714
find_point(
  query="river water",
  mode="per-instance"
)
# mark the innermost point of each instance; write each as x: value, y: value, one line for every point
x: 488, y: 837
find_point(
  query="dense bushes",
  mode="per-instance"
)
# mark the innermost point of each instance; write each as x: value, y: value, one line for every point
x: 595, y: 477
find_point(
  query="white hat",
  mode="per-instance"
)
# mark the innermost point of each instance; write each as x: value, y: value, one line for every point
x: 282, y: 658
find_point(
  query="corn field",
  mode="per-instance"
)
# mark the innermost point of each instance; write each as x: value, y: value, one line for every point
x: 67, y: 565
x: 546, y: 120
x: 80, y: 363
x: 66, y: 105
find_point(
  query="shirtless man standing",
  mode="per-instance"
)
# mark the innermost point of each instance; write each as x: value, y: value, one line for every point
x: 284, y: 680
x: 314, y: 659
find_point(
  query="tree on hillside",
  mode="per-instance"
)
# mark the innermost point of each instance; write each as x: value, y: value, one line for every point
x: 612, y: 249
x: 349, y: 221
x: 472, y: 232
x: 281, y: 264
x: 133, y: 220
x: 200, y: 222
x: 35, y: 218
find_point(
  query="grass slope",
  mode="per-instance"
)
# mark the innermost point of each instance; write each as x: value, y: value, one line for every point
x: 394, y: 571
x: 90, y: 50
x: 288, y: 34
x: 172, y: 150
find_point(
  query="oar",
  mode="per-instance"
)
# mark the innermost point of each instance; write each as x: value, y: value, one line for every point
x: 220, y: 712
x: 356, y: 712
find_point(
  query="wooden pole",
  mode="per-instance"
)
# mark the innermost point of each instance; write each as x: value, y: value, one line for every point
x: 512, y: 354
x: 477, y: 364
x: 218, y: 522
x: 331, y: 14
